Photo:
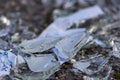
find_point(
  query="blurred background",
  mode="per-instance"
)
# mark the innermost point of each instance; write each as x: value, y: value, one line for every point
x: 37, y: 14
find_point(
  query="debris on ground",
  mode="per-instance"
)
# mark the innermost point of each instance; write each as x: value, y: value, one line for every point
x: 60, y: 40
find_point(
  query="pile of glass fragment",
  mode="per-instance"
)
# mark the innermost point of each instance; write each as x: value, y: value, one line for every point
x: 63, y: 43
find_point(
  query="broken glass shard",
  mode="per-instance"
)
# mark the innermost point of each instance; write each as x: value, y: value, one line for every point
x: 63, y: 23
x: 106, y: 73
x: 65, y: 44
x: 54, y: 31
x: 73, y: 31
x: 69, y: 46
x: 91, y: 66
x: 38, y: 45
x: 43, y: 63
x: 83, y: 65
x: 38, y: 75
x: 45, y: 43
x: 42, y: 67
x: 75, y: 18
x: 7, y: 59
x: 61, y: 57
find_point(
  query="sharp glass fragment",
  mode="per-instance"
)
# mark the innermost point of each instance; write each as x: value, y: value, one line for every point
x: 7, y: 59
x: 38, y: 45
x: 73, y: 31
x: 83, y: 15
x: 42, y: 67
x: 38, y: 76
x: 43, y: 63
x: 61, y: 57
x: 77, y: 42
x: 93, y: 65
x: 82, y: 65
x: 63, y: 23
x: 102, y: 77
x: 45, y: 43
x: 68, y: 47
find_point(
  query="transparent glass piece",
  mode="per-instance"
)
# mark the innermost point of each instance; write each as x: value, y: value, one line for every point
x: 63, y: 23
x: 7, y: 59
x: 42, y: 67
x: 42, y: 63
x: 92, y: 65
x: 38, y: 45
x: 69, y: 46
x: 102, y: 77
